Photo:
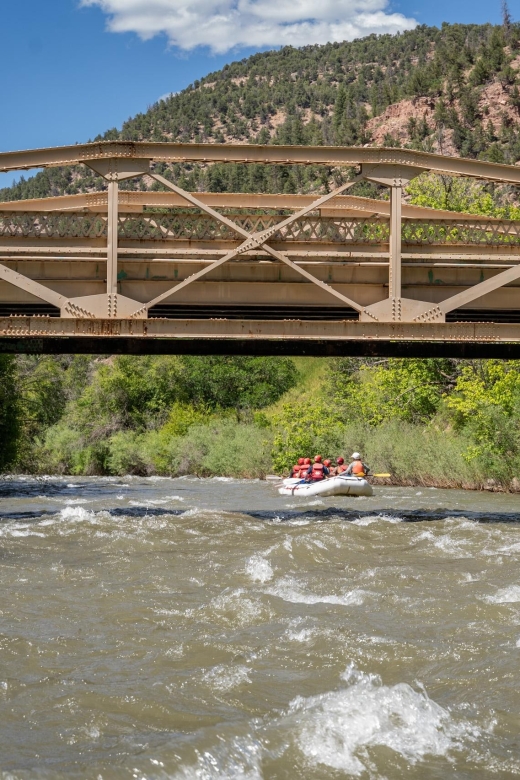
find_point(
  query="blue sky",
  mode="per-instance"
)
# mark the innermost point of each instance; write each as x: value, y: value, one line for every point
x: 74, y: 68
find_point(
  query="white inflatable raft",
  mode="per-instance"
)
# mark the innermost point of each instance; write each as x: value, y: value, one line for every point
x: 333, y: 486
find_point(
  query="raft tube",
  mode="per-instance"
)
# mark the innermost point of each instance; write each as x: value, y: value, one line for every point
x: 333, y: 486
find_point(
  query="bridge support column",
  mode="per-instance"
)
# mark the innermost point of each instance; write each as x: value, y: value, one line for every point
x: 395, y: 308
x: 394, y: 280
x: 113, y: 188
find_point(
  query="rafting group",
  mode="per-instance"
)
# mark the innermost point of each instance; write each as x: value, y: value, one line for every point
x: 321, y: 469
x: 320, y: 477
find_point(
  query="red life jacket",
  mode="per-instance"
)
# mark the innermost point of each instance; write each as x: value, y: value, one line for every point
x: 358, y: 468
x: 295, y: 471
x: 317, y: 472
x: 340, y: 469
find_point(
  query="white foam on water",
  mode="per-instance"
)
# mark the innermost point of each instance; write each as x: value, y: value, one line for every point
x: 505, y: 549
x: 462, y: 523
x: 370, y: 519
x: 191, y: 513
x: 259, y: 569
x: 303, y: 636
x: 509, y: 595
x: 467, y: 578
x: 289, y: 589
x: 22, y: 532
x: 303, y: 504
x: 337, y: 729
x: 447, y: 544
x: 237, y: 759
x: 224, y: 678
x: 233, y: 607
x: 319, y: 543
x: 77, y: 514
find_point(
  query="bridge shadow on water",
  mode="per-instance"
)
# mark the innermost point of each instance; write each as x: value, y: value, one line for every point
x: 281, y: 516
x: 17, y: 488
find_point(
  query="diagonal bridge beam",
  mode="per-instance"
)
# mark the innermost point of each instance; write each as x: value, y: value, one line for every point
x: 31, y: 286
x: 253, y: 241
x: 478, y: 290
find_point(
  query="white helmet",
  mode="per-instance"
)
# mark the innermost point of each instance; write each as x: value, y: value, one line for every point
x: 356, y: 456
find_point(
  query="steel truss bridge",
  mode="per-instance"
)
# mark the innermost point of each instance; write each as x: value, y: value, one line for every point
x: 145, y: 271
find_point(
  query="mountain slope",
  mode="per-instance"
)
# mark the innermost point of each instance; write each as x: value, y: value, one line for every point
x: 453, y: 90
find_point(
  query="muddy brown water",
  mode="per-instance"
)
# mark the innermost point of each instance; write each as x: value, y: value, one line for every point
x: 187, y: 628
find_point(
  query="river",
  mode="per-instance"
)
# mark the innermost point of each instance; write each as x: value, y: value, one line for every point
x: 186, y: 628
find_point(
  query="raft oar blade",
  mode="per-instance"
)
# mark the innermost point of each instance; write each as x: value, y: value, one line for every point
x: 385, y: 476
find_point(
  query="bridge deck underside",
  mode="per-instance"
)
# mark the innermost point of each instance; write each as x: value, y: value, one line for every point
x: 273, y: 337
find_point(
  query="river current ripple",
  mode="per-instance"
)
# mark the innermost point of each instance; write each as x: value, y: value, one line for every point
x: 186, y: 628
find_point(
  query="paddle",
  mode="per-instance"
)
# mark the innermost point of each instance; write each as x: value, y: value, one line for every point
x: 386, y: 476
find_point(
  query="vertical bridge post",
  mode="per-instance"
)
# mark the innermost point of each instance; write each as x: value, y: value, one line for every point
x: 111, y: 304
x: 112, y: 226
x: 394, y: 273
x: 395, y: 308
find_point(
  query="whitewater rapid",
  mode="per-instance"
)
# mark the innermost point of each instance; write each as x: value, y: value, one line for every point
x: 157, y: 628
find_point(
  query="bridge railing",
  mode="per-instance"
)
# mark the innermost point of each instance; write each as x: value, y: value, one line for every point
x: 188, y: 225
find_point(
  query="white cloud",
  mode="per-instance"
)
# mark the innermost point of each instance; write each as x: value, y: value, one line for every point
x: 227, y: 24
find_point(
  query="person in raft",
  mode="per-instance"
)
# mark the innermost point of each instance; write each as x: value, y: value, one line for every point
x: 305, y: 467
x: 357, y: 468
x: 317, y: 470
x: 298, y: 468
x: 340, y: 466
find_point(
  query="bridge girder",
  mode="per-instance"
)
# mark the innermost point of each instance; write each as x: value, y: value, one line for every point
x: 379, y: 258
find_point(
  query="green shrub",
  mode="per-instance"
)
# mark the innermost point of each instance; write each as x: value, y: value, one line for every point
x: 222, y: 447
x: 10, y: 427
x: 126, y: 454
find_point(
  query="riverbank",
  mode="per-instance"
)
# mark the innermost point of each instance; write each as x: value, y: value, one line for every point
x: 431, y: 423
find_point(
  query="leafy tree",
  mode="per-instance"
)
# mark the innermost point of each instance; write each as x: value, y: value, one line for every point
x: 10, y: 427
x: 234, y: 382
x: 457, y: 194
x: 304, y: 430
x: 485, y: 403
x: 406, y: 389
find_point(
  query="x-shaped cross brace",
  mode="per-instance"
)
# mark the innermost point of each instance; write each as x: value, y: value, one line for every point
x: 253, y: 241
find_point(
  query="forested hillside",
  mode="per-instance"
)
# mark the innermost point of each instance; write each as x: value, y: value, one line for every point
x: 455, y: 90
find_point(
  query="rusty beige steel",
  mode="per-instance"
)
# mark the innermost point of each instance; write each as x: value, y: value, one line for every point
x: 250, y: 153
x: 129, y: 201
x: 102, y: 256
x: 256, y: 240
x: 255, y: 330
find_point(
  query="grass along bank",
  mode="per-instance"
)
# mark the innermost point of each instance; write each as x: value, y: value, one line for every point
x: 427, y: 422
